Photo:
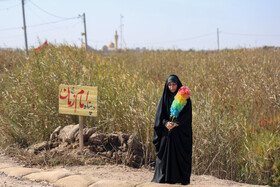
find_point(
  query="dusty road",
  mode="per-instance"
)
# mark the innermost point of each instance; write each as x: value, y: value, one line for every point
x: 12, y: 174
x: 11, y: 181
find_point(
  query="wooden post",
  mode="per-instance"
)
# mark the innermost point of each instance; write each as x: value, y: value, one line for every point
x: 81, y: 135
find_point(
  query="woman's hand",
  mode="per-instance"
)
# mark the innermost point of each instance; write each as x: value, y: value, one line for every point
x: 170, y: 125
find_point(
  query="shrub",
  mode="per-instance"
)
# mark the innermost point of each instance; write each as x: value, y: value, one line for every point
x: 235, y: 95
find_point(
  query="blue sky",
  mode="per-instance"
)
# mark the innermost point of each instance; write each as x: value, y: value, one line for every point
x: 154, y: 24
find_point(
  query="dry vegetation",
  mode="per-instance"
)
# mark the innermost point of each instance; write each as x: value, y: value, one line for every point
x: 235, y: 95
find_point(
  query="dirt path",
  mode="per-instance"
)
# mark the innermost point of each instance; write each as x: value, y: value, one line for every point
x: 11, y: 181
x: 103, y: 172
x: 119, y: 172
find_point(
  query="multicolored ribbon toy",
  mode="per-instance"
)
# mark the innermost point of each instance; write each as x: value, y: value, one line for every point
x: 180, y: 100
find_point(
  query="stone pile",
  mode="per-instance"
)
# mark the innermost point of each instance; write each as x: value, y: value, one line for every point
x: 110, y: 147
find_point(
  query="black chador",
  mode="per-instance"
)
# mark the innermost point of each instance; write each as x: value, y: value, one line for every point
x: 173, y: 148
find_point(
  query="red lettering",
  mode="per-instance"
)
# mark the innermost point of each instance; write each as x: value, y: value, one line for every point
x: 68, y: 95
x: 64, y: 97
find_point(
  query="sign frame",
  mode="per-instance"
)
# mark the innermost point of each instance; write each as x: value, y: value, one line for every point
x: 78, y: 100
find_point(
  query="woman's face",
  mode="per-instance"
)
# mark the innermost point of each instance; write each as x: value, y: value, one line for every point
x: 172, y: 87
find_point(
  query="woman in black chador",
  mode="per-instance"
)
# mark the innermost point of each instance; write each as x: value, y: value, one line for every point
x: 173, y: 140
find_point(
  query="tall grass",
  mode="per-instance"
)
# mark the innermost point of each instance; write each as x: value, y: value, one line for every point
x: 235, y: 95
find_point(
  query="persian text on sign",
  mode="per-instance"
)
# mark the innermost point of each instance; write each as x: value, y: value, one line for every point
x: 78, y: 100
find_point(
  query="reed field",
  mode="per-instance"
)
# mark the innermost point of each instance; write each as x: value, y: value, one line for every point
x: 235, y: 96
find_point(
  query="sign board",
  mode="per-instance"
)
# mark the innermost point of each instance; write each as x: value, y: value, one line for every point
x: 78, y: 100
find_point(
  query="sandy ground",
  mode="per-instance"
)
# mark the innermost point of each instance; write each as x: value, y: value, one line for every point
x: 119, y: 172
x: 115, y: 172
x: 9, y: 181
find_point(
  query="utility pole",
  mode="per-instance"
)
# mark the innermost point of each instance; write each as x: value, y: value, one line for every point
x: 24, y: 28
x: 218, y: 42
x: 85, y: 31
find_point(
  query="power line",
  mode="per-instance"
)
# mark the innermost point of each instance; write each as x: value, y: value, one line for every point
x: 12, y: 36
x: 47, y: 23
x: 190, y: 38
x: 53, y: 22
x: 170, y: 41
x: 9, y: 7
x: 245, y: 34
x: 34, y: 12
x: 178, y: 40
x: 46, y: 11
x: 205, y: 35
x: 11, y: 28
x: 72, y: 25
x: 43, y: 20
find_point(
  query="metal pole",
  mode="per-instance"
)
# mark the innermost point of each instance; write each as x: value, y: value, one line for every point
x: 81, y: 135
x: 24, y: 28
x: 85, y: 30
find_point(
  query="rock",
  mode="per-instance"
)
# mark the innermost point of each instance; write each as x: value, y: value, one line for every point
x: 87, y: 133
x: 135, y: 152
x: 37, y: 148
x: 54, y: 135
x: 97, y: 139
x: 123, y: 138
x: 114, y: 140
x: 137, y: 158
x: 103, y: 153
x: 57, y: 151
x: 68, y: 133
x: 123, y: 147
x: 63, y: 145
x: 134, y: 144
x: 113, y: 147
x: 109, y: 154
x: 75, y: 145
x: 54, y: 144
x: 92, y: 148
x: 100, y: 149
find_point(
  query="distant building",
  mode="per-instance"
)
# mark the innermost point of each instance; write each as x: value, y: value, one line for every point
x: 105, y: 48
x: 113, y: 47
x: 110, y: 47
